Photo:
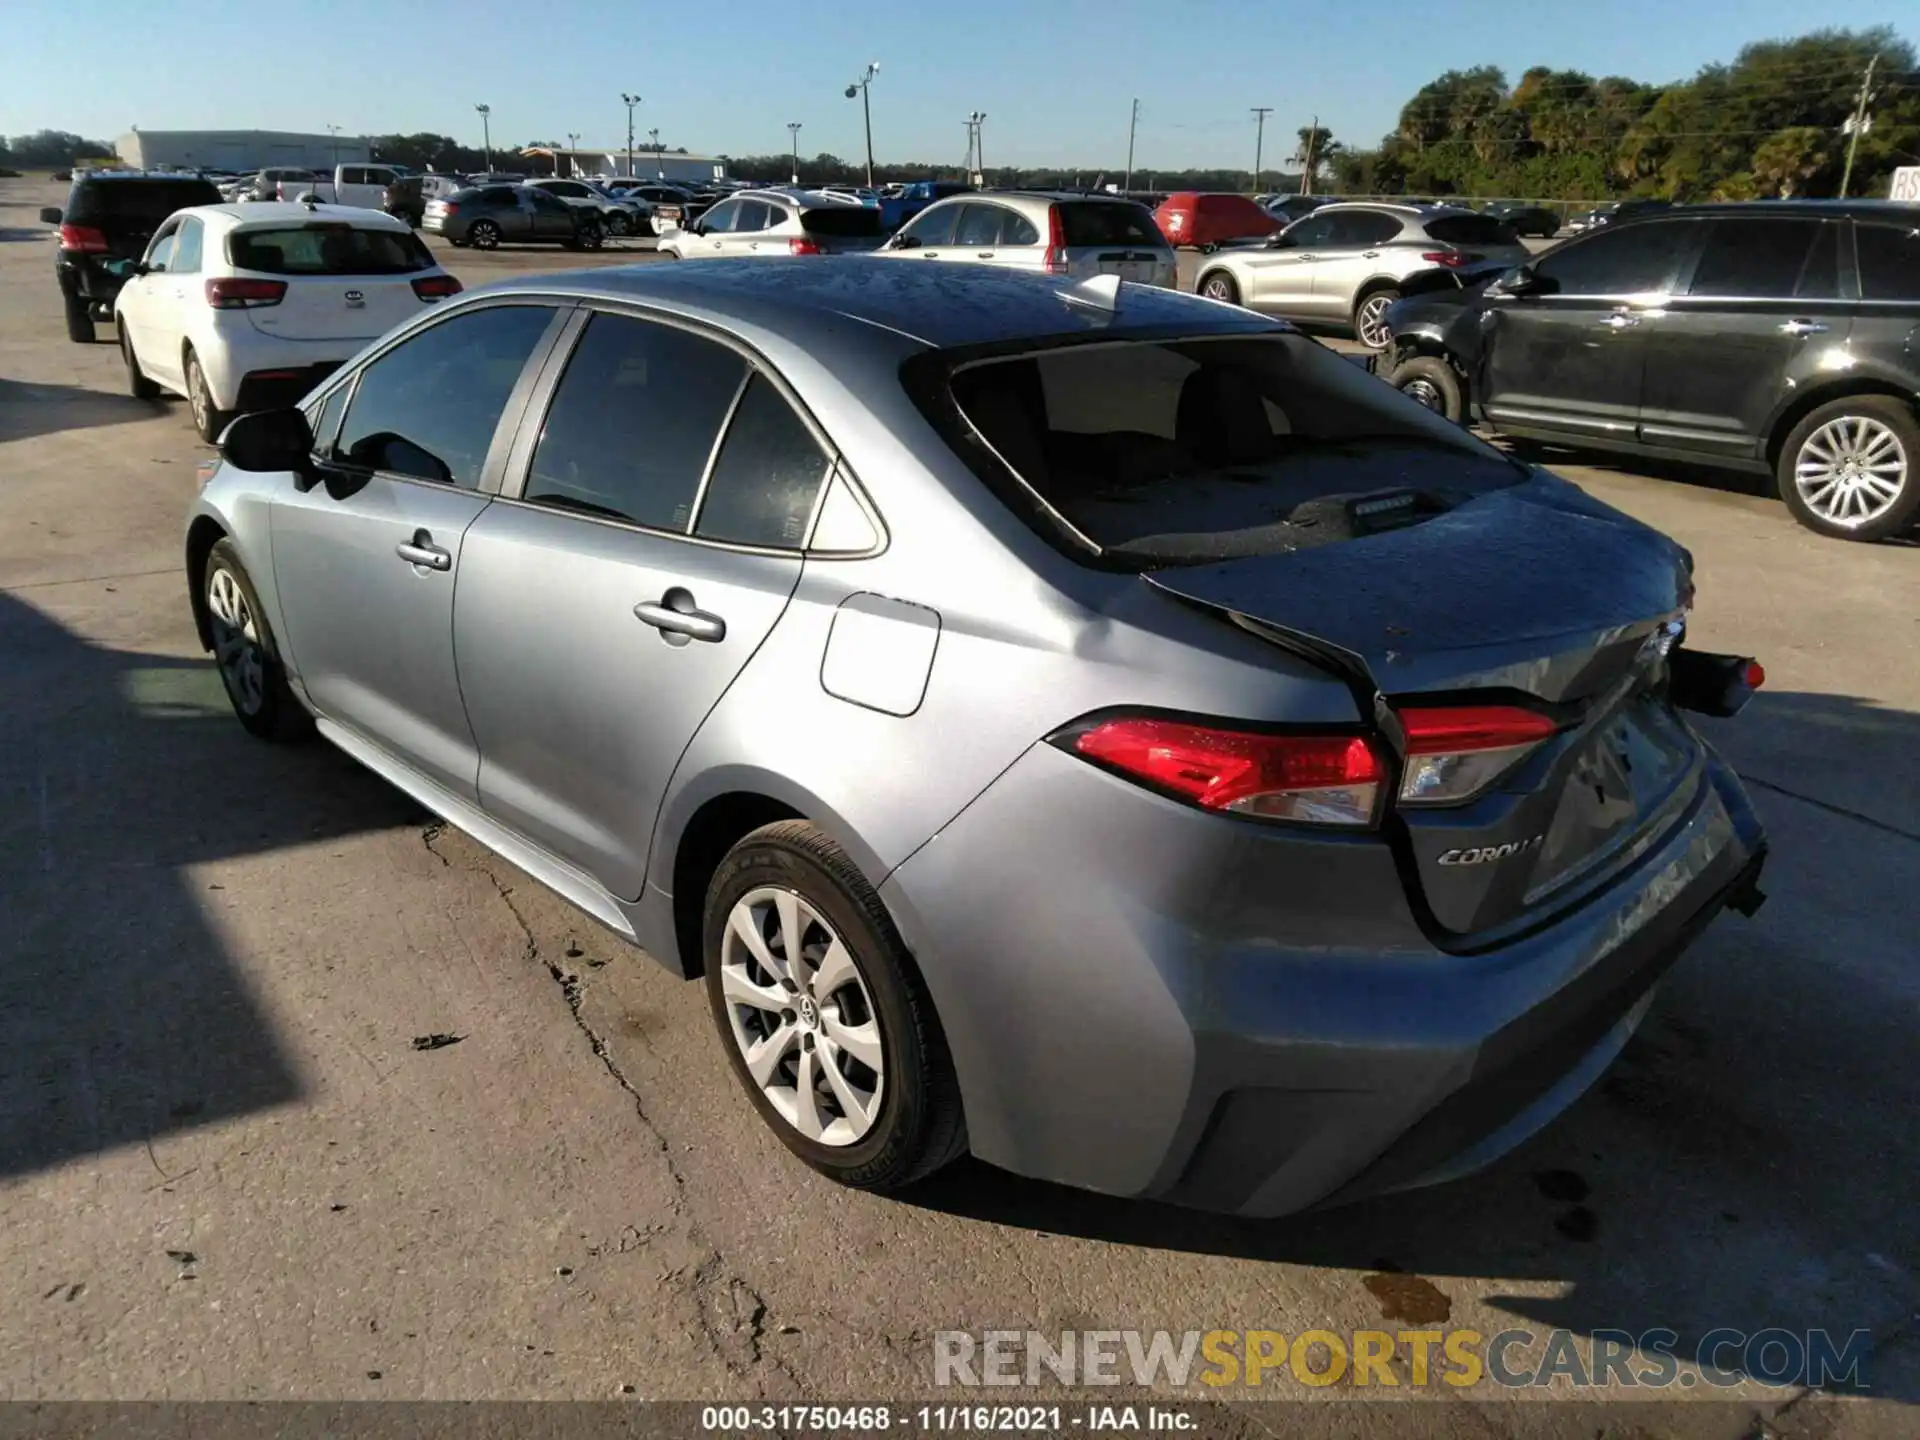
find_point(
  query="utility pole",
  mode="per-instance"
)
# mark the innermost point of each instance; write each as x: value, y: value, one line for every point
x: 1260, y: 113
x: 486, y: 133
x: 859, y: 87
x: 793, y: 129
x: 1858, y: 123
x: 1133, y: 124
x: 976, y: 150
x: 1306, y: 165
x: 631, y: 101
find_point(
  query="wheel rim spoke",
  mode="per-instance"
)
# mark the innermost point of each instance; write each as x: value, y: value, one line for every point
x: 738, y: 986
x: 806, y: 1100
x: 743, y: 924
x: 856, y: 1104
x: 862, y: 1042
x: 836, y: 969
x: 763, y: 1057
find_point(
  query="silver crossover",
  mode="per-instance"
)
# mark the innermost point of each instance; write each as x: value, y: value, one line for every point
x: 1048, y: 234
x: 1345, y: 264
x: 768, y: 223
x: 1073, y: 722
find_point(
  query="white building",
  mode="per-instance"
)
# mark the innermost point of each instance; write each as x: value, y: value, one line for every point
x: 239, y: 149
x: 648, y: 164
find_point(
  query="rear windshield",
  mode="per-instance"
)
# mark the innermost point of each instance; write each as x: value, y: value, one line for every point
x: 848, y: 223
x: 145, y: 201
x: 327, y: 250
x: 1100, y: 224
x: 1472, y: 230
x: 1188, y: 451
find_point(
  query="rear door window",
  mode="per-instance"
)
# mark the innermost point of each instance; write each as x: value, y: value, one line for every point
x: 1357, y: 229
x: 1189, y: 451
x: 327, y: 250
x: 427, y: 409
x: 633, y: 423
x: 1889, y: 261
x: 979, y: 227
x: 768, y: 474
x: 1098, y: 223
x: 1759, y: 259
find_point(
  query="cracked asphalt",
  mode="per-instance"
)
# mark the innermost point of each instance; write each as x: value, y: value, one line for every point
x: 227, y: 1171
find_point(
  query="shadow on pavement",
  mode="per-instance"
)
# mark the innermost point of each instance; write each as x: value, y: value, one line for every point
x: 1748, y: 1161
x: 122, y: 1016
x: 27, y: 410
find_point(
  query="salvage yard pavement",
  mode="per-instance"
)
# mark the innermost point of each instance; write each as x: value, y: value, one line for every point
x: 302, y: 1095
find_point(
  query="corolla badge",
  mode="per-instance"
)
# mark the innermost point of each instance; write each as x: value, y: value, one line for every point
x: 1487, y: 854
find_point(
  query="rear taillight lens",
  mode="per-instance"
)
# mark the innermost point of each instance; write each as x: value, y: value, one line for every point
x: 1454, y: 752
x: 240, y: 294
x: 1055, y: 261
x: 83, y: 238
x: 1452, y: 259
x: 448, y: 207
x: 800, y: 245
x: 1310, y: 779
x: 436, y: 287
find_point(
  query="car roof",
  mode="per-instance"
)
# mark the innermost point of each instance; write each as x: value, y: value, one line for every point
x: 1864, y: 209
x: 806, y: 199
x: 936, y: 305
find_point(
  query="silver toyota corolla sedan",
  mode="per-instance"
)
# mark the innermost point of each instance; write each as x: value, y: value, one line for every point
x: 1073, y: 722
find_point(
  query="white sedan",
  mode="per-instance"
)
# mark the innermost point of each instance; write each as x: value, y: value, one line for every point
x: 247, y: 307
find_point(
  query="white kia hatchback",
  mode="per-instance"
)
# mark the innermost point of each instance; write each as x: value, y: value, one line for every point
x: 248, y: 307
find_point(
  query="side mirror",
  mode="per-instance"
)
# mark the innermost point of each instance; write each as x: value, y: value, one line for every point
x: 49, y: 214
x: 1521, y: 281
x: 904, y: 242
x: 1279, y: 240
x: 266, y: 441
x: 125, y: 269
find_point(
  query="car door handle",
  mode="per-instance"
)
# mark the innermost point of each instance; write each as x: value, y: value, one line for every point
x: 1369, y: 254
x: 983, y: 254
x: 1306, y: 257
x: 422, y: 551
x: 1618, y: 321
x: 678, y: 620
x: 1803, y: 327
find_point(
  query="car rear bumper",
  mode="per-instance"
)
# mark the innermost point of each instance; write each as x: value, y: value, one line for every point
x: 1146, y: 1000
x: 256, y: 371
x: 281, y: 387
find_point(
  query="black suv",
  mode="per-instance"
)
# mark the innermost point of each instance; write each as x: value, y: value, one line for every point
x: 110, y: 215
x: 1778, y: 336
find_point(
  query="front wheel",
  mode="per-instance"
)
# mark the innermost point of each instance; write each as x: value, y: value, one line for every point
x: 243, y: 649
x: 617, y: 224
x: 825, y: 1019
x: 1370, y: 326
x: 1219, y: 286
x: 1851, y: 468
x: 588, y: 237
x: 208, y: 418
x: 483, y: 235
x: 1429, y: 381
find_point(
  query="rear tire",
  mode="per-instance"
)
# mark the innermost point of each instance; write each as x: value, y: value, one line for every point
x: 245, y: 654
x: 1218, y: 285
x: 853, y: 979
x: 1851, y: 468
x: 617, y: 224
x: 208, y: 418
x: 79, y: 319
x: 138, y: 385
x: 483, y: 235
x: 1369, y: 318
x: 590, y: 237
x: 1430, y: 381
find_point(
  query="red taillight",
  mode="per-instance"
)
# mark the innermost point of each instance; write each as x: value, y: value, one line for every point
x: 800, y: 245
x: 1452, y: 259
x: 448, y: 207
x: 1755, y: 674
x: 1454, y: 752
x: 83, y: 238
x: 1316, y: 779
x: 1055, y: 261
x: 240, y: 294
x: 436, y: 287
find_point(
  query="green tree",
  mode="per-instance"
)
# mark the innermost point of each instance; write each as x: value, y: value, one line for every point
x: 1787, y: 159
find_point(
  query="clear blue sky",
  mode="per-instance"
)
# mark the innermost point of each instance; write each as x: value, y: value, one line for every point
x: 1055, y: 77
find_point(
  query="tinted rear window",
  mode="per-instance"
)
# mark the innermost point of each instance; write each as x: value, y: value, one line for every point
x: 327, y: 250
x: 144, y: 201
x: 1472, y: 230
x: 849, y: 223
x: 1099, y: 224
x: 1889, y: 261
x: 1184, y: 452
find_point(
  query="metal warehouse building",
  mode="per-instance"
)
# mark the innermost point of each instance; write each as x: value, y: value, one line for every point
x: 648, y: 163
x: 239, y: 149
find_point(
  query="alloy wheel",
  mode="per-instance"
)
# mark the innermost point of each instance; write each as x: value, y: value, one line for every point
x: 197, y: 398
x: 1426, y: 393
x: 800, y: 1011
x: 1852, y: 470
x: 236, y: 641
x: 1219, y: 288
x: 1370, y: 322
x: 484, y: 235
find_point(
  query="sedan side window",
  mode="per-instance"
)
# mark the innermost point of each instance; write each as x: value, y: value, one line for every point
x: 935, y: 227
x: 428, y: 408
x: 633, y: 423
x: 767, y: 477
x: 1631, y: 260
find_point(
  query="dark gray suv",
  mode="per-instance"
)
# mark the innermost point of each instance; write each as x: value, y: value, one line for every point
x: 1778, y: 336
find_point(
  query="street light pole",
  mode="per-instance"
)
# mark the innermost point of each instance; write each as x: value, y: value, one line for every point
x: 659, y: 172
x: 793, y: 129
x: 486, y: 132
x: 573, y: 152
x: 1260, y: 113
x: 631, y: 101
x: 860, y: 86
x: 976, y: 127
x: 333, y: 144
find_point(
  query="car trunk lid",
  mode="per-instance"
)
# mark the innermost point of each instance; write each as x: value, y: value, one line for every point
x: 1530, y: 597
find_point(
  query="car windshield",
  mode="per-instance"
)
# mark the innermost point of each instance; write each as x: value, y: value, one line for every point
x: 327, y: 250
x: 1190, y: 451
